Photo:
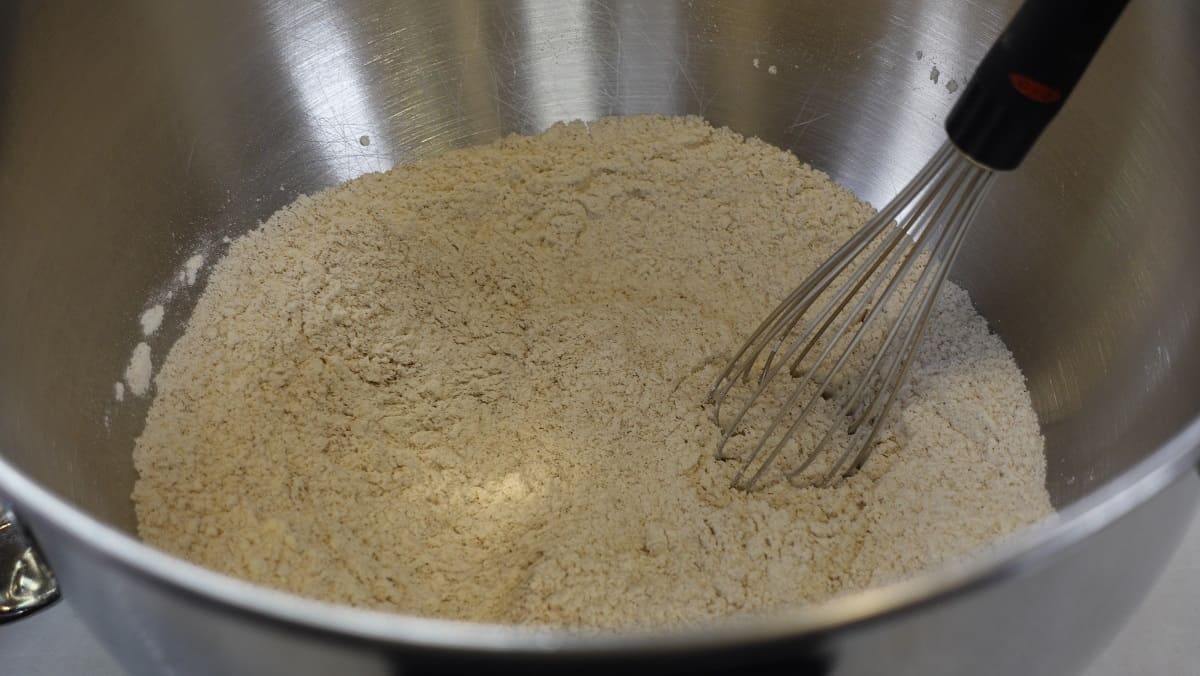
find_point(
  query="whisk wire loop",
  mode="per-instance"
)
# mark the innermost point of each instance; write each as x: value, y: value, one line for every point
x: 799, y: 299
x: 912, y: 341
x: 922, y: 228
x: 910, y: 257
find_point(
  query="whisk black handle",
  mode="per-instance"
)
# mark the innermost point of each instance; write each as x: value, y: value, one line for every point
x: 1026, y: 76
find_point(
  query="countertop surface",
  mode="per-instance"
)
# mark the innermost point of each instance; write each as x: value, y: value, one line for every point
x: 1160, y: 638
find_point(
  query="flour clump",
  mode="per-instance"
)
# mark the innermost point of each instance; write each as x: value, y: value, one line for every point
x: 472, y: 387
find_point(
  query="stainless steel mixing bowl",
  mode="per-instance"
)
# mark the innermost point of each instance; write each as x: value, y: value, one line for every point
x: 133, y: 134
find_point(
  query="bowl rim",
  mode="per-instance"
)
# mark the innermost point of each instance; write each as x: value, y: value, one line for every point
x: 1026, y: 550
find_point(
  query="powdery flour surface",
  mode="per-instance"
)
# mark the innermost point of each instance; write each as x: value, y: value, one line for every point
x: 472, y: 388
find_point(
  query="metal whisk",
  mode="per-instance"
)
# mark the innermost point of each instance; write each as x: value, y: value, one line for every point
x: 869, y: 302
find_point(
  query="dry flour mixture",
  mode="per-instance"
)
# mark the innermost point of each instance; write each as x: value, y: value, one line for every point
x: 472, y: 388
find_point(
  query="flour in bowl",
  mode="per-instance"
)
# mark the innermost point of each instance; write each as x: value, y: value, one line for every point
x: 472, y: 387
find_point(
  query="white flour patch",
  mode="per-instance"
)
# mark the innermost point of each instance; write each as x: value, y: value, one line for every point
x: 151, y: 319
x: 191, y: 267
x: 139, y: 370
